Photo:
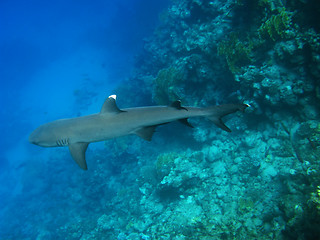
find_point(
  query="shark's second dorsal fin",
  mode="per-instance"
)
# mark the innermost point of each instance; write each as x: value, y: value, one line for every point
x: 110, y: 105
x: 177, y: 105
x: 78, y: 153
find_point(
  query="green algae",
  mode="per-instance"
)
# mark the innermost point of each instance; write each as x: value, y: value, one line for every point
x: 237, y: 53
x: 245, y: 204
x: 276, y: 26
x: 166, y: 85
x: 165, y: 160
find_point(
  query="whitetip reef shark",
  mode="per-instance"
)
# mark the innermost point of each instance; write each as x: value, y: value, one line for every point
x: 112, y: 122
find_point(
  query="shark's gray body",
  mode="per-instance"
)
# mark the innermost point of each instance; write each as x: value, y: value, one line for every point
x: 111, y: 122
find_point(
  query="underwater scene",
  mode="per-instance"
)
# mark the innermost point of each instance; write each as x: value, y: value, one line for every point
x: 225, y: 146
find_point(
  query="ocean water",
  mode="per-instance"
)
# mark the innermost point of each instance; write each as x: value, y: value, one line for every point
x: 63, y: 59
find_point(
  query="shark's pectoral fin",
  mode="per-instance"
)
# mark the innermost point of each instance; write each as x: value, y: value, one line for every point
x: 146, y: 132
x: 78, y: 153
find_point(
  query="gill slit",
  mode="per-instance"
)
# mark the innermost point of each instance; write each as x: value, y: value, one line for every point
x: 62, y: 142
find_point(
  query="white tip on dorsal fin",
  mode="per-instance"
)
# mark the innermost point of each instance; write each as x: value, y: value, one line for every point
x: 110, y: 105
x: 113, y: 96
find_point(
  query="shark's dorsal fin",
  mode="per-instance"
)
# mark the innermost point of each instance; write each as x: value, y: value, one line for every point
x: 78, y: 153
x: 110, y: 105
x: 177, y: 105
x: 146, y: 132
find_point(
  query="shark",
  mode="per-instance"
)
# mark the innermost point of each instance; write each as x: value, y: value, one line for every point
x: 112, y: 122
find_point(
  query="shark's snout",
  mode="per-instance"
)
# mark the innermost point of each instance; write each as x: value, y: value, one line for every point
x: 43, y: 136
x: 33, y: 138
x: 37, y: 137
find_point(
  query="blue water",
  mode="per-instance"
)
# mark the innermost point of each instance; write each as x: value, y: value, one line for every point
x: 59, y: 59
x: 62, y: 59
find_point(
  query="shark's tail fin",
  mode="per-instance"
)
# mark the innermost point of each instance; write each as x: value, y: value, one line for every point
x: 215, y: 113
